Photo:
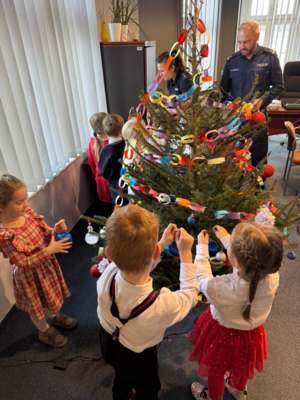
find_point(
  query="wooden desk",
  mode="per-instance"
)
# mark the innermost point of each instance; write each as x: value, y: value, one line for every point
x: 278, y: 117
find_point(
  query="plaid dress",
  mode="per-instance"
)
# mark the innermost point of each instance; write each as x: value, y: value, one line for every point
x: 37, y: 278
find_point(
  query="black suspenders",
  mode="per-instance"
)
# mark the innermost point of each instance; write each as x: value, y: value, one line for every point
x: 139, y: 309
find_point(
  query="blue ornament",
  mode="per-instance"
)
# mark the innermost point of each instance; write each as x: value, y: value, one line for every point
x: 291, y: 255
x: 191, y: 220
x: 212, y: 247
x: 173, y: 249
x: 64, y: 235
x: 94, y: 134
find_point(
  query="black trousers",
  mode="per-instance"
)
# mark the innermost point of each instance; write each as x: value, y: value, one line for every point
x: 132, y: 370
x: 259, y: 148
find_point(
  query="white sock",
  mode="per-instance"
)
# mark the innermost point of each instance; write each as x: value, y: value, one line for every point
x: 42, y: 325
x: 48, y: 313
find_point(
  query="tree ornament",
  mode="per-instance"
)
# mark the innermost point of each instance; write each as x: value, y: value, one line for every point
x: 220, y: 256
x: 91, y: 237
x: 62, y: 236
x: 257, y: 118
x: 264, y: 216
x: 191, y: 220
x: 173, y: 249
x: 268, y: 171
x: 291, y: 255
x: 95, y: 271
x: 212, y: 247
x: 103, y: 232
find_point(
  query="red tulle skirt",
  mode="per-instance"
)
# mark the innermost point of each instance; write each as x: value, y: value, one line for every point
x: 219, y: 350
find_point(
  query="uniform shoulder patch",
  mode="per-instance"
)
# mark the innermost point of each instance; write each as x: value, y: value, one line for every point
x: 266, y: 49
x: 232, y: 56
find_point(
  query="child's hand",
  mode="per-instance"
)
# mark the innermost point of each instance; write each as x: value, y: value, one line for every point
x: 184, y: 243
x: 59, y: 247
x: 60, y: 227
x: 203, y: 237
x: 168, y: 236
x: 219, y: 231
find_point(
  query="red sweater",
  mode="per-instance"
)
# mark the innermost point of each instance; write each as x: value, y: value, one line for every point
x: 102, y: 188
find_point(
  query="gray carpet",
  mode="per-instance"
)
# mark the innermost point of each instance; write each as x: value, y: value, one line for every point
x: 88, y: 379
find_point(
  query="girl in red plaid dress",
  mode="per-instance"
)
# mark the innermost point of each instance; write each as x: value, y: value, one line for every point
x: 30, y: 245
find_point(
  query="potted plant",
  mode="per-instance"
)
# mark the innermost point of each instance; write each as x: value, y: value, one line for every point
x: 115, y: 25
x: 123, y: 11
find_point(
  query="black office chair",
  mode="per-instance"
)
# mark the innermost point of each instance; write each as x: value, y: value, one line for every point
x: 291, y: 78
x: 293, y: 157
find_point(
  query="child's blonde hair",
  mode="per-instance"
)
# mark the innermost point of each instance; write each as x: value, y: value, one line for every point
x: 259, y: 249
x: 131, y: 131
x: 132, y: 236
x: 96, y: 122
x: 112, y: 125
x: 8, y: 185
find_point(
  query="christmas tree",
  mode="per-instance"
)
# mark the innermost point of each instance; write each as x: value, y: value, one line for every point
x: 194, y: 169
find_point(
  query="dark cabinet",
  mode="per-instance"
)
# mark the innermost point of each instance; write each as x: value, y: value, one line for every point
x: 128, y: 68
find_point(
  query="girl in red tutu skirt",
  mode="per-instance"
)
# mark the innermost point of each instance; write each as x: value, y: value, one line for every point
x: 229, y: 337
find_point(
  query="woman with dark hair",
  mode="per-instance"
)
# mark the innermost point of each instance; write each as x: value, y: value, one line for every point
x: 179, y: 81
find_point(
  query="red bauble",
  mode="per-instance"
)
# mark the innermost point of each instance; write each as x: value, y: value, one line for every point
x: 95, y: 271
x: 257, y: 118
x: 268, y: 171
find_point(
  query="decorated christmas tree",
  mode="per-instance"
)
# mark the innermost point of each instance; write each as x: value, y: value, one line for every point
x: 193, y: 170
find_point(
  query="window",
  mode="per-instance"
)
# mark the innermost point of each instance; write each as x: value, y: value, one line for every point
x: 279, y: 22
x: 210, y: 14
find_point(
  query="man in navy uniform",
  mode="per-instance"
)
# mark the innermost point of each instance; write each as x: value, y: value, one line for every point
x: 240, y: 72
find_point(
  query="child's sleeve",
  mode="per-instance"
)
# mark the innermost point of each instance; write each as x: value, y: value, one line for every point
x: 104, y: 165
x: 174, y: 306
x: 205, y: 278
x: 206, y: 281
x: 225, y: 241
x: 12, y: 251
x: 91, y: 158
x: 39, y: 219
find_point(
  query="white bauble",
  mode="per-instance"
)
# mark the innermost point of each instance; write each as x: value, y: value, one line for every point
x: 220, y: 256
x: 91, y: 238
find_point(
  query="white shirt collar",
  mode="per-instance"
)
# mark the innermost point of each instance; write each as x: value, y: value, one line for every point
x: 137, y: 289
x: 114, y: 140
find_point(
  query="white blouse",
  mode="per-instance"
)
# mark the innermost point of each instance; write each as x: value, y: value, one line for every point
x: 229, y: 294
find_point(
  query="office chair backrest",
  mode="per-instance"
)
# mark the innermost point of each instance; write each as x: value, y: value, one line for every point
x: 291, y: 135
x: 291, y: 78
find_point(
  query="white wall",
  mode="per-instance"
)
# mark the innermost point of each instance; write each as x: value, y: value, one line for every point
x: 68, y: 196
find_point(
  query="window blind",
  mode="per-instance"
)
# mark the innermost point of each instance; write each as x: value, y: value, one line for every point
x: 51, y: 83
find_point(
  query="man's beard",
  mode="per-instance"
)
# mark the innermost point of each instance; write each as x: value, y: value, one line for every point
x: 247, y: 52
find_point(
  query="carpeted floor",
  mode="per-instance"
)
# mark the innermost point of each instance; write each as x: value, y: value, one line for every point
x: 26, y: 366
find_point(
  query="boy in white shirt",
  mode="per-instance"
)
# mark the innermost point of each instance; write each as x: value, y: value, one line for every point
x: 132, y: 315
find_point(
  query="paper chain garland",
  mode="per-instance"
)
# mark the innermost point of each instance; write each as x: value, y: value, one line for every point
x: 176, y: 100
